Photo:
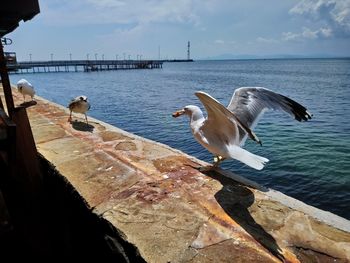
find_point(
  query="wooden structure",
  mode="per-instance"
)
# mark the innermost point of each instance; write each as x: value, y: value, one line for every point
x: 14, y: 11
x: 21, y: 181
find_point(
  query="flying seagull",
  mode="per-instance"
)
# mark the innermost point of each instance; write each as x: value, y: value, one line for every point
x: 25, y: 88
x: 80, y: 105
x: 225, y: 130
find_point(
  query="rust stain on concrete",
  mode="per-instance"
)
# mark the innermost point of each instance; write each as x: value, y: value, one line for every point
x: 126, y: 146
x: 112, y: 136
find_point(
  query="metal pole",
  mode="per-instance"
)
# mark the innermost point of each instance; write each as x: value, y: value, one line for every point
x: 188, y: 50
x: 6, y: 83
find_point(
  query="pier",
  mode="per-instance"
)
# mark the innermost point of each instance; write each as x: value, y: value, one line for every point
x: 81, y: 65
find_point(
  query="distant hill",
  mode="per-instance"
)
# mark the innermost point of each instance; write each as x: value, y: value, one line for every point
x: 276, y: 56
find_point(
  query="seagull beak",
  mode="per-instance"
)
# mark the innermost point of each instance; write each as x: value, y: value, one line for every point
x: 178, y: 113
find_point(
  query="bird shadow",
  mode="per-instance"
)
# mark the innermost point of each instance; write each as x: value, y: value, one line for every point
x: 235, y: 198
x: 28, y: 104
x: 82, y: 126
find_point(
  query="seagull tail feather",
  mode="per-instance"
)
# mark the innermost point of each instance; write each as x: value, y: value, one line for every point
x: 255, y: 161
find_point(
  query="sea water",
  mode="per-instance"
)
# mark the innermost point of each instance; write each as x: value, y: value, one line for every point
x: 309, y: 161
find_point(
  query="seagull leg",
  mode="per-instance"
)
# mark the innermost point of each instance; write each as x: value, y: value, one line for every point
x: 24, y: 98
x: 70, y: 117
x: 86, y: 119
x: 217, y: 160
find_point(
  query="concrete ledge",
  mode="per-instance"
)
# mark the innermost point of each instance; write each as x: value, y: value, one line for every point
x: 157, y: 200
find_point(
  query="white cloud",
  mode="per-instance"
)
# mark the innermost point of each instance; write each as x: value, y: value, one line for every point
x: 219, y: 41
x: 334, y: 15
x: 267, y: 40
x: 224, y: 42
x: 83, y: 12
x: 289, y: 36
x: 307, y: 34
x: 326, y: 32
x: 108, y: 3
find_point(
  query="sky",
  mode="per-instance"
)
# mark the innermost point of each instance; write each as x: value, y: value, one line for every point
x: 152, y: 29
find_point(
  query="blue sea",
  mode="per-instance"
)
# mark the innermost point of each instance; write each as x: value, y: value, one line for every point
x: 309, y: 161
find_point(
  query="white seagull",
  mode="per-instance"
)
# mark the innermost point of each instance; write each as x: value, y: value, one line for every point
x: 25, y: 88
x: 80, y: 105
x: 225, y: 130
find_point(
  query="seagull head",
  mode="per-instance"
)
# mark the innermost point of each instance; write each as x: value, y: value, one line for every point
x: 83, y: 98
x: 190, y: 110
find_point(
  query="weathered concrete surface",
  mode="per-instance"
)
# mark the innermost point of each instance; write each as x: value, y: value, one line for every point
x: 157, y: 199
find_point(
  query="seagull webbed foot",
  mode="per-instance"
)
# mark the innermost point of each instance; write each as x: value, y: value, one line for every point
x: 217, y: 160
x: 205, y: 169
x: 255, y: 138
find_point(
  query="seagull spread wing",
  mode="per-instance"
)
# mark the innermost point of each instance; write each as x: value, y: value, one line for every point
x: 249, y: 104
x: 220, y: 118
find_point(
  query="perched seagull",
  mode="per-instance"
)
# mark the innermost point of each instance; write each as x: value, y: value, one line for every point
x: 225, y: 130
x: 80, y: 105
x: 25, y: 88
